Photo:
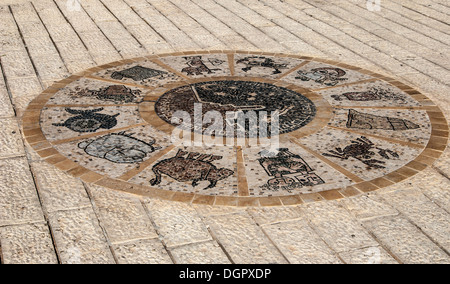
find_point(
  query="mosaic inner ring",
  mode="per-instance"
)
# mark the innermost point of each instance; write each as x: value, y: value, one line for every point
x: 367, y: 131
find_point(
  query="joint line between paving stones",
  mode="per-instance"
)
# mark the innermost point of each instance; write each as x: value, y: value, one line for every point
x: 211, y: 232
x: 97, y: 216
x: 8, y: 89
x: 44, y: 212
x: 148, y: 24
x: 149, y: 215
x: 411, y: 221
x: 50, y: 36
x: 159, y: 12
x: 95, y: 23
x: 225, y: 24
x: 377, y: 63
x: 335, y: 14
x: 441, y: 172
x: 193, y: 40
x: 408, y: 27
x: 427, y: 16
x: 268, y: 237
x: 257, y: 28
x: 201, y: 8
x: 313, y: 228
x: 74, y: 30
x: 26, y: 49
x: 118, y: 20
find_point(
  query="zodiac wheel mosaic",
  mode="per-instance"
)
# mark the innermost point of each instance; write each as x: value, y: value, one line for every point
x: 342, y: 130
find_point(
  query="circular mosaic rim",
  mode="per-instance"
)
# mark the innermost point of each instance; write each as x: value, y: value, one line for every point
x: 429, y: 153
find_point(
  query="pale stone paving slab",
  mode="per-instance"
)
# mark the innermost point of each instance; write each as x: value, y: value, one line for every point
x: 142, y: 252
x: 171, y: 218
x: 371, y: 255
x: 405, y: 241
x: 11, y: 143
x: 123, y: 216
x: 79, y: 238
x: 337, y: 227
x: 204, y: 253
x: 244, y: 241
x: 198, y: 33
x: 27, y: 244
x: 299, y: 243
x: 429, y: 217
x: 58, y: 190
x: 6, y: 108
x: 45, y: 57
x: 368, y: 206
x: 18, y: 196
x: 99, y: 47
x: 215, y: 26
x: 267, y: 215
x: 251, y: 33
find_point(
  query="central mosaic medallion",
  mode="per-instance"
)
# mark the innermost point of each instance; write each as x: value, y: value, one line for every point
x: 229, y: 97
x: 341, y: 130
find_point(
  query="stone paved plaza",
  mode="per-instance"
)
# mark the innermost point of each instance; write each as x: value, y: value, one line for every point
x: 89, y: 172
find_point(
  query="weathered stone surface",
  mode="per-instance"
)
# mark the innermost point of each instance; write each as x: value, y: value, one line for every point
x: 122, y: 215
x: 58, y: 190
x: 200, y: 253
x: 429, y: 217
x: 299, y: 243
x: 244, y: 240
x: 142, y: 252
x: 337, y: 227
x: 11, y: 143
x: 275, y: 214
x: 406, y: 241
x: 177, y: 223
x: 18, y: 197
x: 27, y: 244
x: 368, y: 206
x: 371, y: 255
x: 79, y: 237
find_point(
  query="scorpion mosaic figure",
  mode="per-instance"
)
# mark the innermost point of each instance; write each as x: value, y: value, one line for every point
x: 261, y: 61
x: 362, y: 149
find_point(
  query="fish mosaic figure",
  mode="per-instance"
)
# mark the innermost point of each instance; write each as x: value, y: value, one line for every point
x: 137, y: 73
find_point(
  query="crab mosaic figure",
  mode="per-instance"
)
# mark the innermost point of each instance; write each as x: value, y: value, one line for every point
x: 88, y: 120
x: 328, y: 76
x: 197, y: 66
x: 261, y: 61
x: 119, y: 148
x: 362, y: 149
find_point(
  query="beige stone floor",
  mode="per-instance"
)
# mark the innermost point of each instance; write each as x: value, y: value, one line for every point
x: 49, y: 217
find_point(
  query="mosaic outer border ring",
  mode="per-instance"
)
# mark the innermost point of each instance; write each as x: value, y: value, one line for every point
x: 432, y: 151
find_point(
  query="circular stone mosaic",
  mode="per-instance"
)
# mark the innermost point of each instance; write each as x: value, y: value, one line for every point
x: 342, y: 130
